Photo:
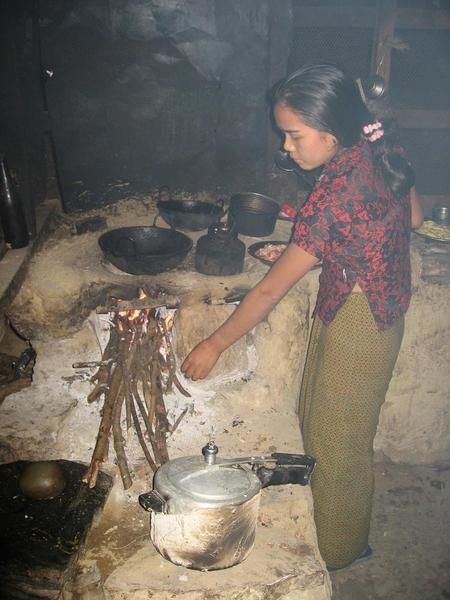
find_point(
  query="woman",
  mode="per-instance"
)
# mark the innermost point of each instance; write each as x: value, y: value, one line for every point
x: 357, y: 220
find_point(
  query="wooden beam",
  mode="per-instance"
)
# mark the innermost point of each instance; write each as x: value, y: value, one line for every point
x: 411, y: 18
x: 280, y: 44
x: 331, y: 16
x: 423, y: 119
x: 382, y: 39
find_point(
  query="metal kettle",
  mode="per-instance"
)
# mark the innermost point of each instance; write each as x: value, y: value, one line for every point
x: 220, y: 252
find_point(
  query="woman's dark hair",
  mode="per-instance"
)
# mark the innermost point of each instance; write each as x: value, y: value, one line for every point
x: 328, y: 99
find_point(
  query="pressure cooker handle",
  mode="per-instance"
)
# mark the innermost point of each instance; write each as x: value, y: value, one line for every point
x: 152, y: 502
x: 284, y: 458
x: 284, y: 475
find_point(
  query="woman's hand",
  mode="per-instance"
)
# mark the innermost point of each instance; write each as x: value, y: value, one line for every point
x: 200, y: 361
x: 288, y: 269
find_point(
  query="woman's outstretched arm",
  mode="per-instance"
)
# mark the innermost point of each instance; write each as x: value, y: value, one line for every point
x: 292, y: 265
x: 416, y: 210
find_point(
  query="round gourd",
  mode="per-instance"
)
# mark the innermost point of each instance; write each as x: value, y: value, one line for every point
x: 42, y: 480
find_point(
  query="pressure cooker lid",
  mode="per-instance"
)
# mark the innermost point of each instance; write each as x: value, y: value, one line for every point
x: 189, y: 481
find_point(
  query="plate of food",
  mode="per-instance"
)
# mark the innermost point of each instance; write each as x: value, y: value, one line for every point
x: 270, y: 251
x: 267, y: 252
x: 435, y: 232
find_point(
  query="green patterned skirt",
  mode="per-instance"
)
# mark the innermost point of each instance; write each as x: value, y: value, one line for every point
x: 347, y: 373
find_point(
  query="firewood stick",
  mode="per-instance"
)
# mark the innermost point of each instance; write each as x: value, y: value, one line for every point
x: 169, y: 362
x: 103, y: 375
x: 140, y: 436
x: 149, y: 429
x: 139, y: 304
x: 101, y: 443
x: 148, y: 397
x: 174, y: 427
x: 172, y: 367
x: 180, y: 388
x: 91, y: 363
x: 128, y: 399
x: 118, y: 443
x: 161, y: 422
x: 97, y: 392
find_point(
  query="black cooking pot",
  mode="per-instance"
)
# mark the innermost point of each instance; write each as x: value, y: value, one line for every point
x: 190, y: 215
x: 145, y: 250
x: 254, y: 214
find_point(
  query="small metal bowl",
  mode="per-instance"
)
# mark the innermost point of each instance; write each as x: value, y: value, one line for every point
x: 441, y: 214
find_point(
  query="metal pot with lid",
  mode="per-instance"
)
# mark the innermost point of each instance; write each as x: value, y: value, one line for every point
x: 204, y: 509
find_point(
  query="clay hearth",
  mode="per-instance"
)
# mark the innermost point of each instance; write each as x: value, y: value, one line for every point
x: 247, y: 405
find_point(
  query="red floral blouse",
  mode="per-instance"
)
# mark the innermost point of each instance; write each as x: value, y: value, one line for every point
x: 361, y: 232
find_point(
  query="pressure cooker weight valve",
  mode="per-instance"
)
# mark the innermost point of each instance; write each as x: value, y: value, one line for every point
x: 199, y: 503
x: 210, y: 452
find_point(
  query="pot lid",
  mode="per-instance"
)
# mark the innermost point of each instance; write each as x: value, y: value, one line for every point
x: 190, y: 483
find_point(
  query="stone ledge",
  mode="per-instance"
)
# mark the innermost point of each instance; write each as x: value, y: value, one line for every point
x: 14, y: 264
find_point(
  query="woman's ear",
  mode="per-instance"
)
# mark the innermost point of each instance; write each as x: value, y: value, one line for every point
x: 332, y: 142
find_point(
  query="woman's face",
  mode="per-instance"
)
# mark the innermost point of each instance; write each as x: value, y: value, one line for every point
x: 308, y: 147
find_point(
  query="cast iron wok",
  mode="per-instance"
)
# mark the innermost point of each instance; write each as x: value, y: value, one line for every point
x: 145, y: 250
x: 191, y: 215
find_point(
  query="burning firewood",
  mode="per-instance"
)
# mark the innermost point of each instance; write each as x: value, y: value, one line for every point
x: 137, y: 368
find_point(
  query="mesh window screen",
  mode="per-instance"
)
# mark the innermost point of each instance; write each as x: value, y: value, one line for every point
x: 429, y: 152
x: 420, y: 76
x: 350, y: 48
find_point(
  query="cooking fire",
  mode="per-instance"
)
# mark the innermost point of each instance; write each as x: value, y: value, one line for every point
x: 137, y: 368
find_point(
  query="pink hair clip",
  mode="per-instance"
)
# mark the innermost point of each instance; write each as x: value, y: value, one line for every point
x: 373, y: 131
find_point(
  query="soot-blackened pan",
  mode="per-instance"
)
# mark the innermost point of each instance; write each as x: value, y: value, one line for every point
x: 145, y: 250
x: 190, y: 215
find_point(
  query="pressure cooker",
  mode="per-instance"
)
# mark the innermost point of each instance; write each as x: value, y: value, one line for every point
x: 204, y: 509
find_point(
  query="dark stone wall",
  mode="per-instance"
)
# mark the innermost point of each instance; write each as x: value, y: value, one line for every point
x: 22, y: 115
x: 155, y: 92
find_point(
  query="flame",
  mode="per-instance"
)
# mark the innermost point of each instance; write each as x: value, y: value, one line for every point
x: 135, y: 320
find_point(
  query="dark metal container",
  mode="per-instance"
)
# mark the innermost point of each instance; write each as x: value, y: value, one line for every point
x: 441, y: 214
x: 145, y: 250
x: 220, y: 252
x: 254, y: 214
x: 12, y: 214
x: 204, y: 509
x: 190, y: 215
x: 2, y: 243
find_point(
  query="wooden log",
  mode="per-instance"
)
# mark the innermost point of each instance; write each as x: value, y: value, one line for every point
x: 139, y: 304
x: 382, y: 40
x: 141, y: 439
x: 174, y: 427
x: 103, y: 375
x: 91, y: 364
x: 161, y: 423
x: 98, y: 456
x: 122, y: 462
